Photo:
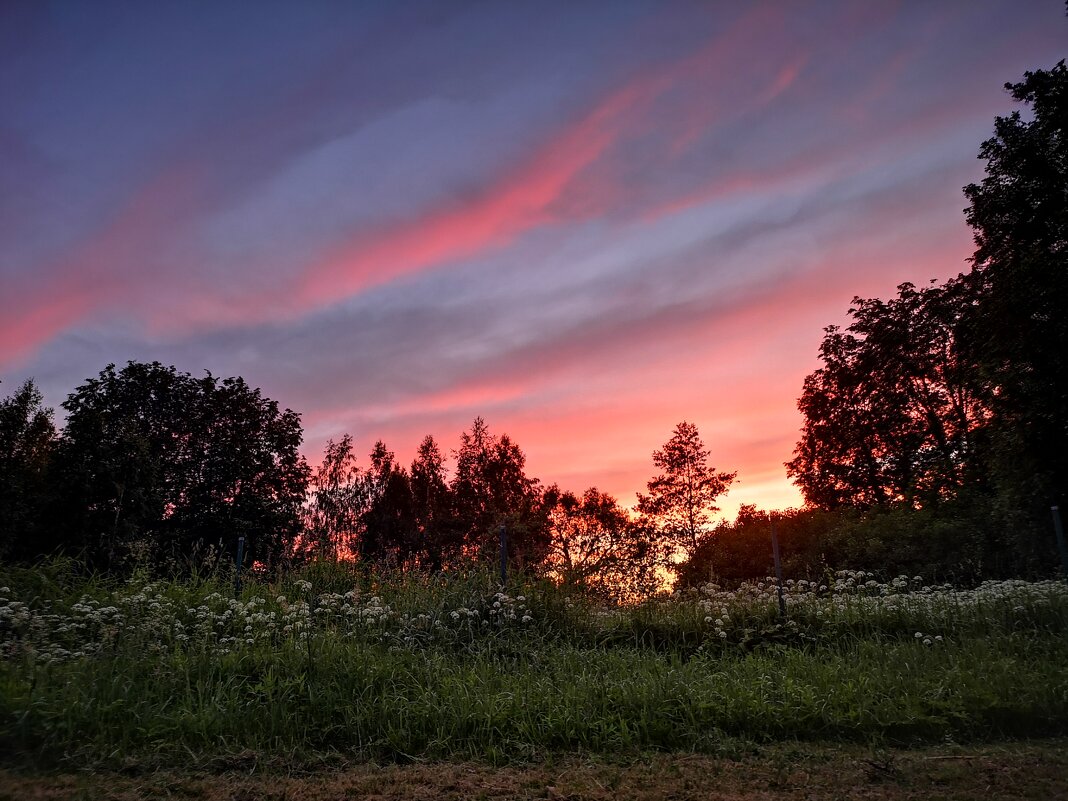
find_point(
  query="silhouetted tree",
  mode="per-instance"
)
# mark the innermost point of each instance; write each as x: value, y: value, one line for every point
x: 736, y: 550
x: 682, y: 498
x: 490, y: 488
x: 27, y: 443
x: 436, y: 538
x: 1017, y: 331
x: 154, y: 458
x: 389, y: 528
x: 892, y: 415
x: 947, y: 541
x: 598, y: 547
x: 961, y: 390
x: 332, y: 516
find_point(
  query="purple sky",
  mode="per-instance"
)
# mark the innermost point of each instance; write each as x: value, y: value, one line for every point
x: 584, y: 222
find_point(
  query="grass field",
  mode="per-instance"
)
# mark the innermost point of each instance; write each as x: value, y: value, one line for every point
x: 330, y: 666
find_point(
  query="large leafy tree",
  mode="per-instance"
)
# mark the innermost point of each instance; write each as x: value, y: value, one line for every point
x: 736, y: 550
x: 490, y: 488
x: 1017, y: 332
x: 153, y: 458
x: 682, y: 497
x: 597, y: 547
x: 332, y: 513
x: 389, y: 530
x: 893, y: 416
x: 27, y: 443
x: 435, y: 537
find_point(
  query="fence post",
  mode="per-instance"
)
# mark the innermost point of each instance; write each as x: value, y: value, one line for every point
x: 504, y: 554
x: 1058, y: 529
x: 778, y: 567
x: 240, y: 560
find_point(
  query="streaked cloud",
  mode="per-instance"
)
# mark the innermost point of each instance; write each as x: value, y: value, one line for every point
x: 584, y: 225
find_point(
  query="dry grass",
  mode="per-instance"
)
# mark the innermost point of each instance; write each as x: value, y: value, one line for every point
x: 1022, y: 770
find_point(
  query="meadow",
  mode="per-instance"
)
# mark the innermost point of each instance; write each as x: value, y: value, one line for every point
x: 331, y: 663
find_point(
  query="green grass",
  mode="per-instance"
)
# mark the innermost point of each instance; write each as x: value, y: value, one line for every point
x: 391, y: 673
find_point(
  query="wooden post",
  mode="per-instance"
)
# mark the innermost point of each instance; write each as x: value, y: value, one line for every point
x: 504, y: 555
x: 1058, y: 529
x: 240, y: 559
x: 778, y: 567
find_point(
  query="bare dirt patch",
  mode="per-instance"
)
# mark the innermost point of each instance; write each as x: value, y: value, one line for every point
x: 1026, y: 770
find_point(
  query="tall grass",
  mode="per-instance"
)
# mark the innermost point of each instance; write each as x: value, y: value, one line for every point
x: 329, y: 660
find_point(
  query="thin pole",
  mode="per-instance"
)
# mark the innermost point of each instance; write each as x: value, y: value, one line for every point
x: 504, y: 555
x: 240, y: 560
x: 1059, y: 531
x: 778, y: 567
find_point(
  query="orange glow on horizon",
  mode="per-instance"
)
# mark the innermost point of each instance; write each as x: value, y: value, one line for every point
x: 580, y: 428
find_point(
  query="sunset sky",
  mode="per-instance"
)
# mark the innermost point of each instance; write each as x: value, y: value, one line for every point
x: 584, y: 222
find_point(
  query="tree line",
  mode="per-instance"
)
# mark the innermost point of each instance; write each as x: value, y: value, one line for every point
x: 935, y: 431
x: 935, y: 438
x: 158, y: 468
x: 953, y: 398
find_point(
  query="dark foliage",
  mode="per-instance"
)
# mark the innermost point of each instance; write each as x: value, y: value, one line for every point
x: 436, y: 538
x: 490, y: 489
x: 335, y: 505
x: 682, y: 498
x: 892, y: 417
x: 156, y: 464
x: 27, y: 444
x: 386, y: 515
x: 1016, y: 332
x: 957, y: 395
x: 596, y: 545
x: 958, y: 541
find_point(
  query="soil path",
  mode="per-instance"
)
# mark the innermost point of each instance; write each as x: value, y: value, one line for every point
x: 1022, y: 770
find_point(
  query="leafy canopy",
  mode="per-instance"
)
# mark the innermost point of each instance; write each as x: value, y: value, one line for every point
x: 682, y: 498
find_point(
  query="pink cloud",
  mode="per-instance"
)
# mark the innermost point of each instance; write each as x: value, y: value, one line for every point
x: 43, y: 318
x: 104, y: 271
x: 697, y: 120
x: 529, y: 197
x: 590, y: 405
x: 518, y: 203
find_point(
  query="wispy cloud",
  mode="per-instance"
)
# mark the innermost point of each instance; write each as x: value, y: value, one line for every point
x: 584, y: 225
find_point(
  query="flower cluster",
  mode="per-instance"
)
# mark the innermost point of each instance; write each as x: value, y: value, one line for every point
x: 504, y: 609
x: 851, y: 599
x: 161, y: 622
x: 159, y: 618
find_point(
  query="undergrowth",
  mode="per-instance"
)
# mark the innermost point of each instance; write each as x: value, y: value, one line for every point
x: 329, y: 660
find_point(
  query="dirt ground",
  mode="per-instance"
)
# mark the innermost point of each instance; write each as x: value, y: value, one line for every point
x: 1022, y: 770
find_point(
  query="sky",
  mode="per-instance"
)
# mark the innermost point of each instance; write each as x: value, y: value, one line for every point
x: 583, y: 222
